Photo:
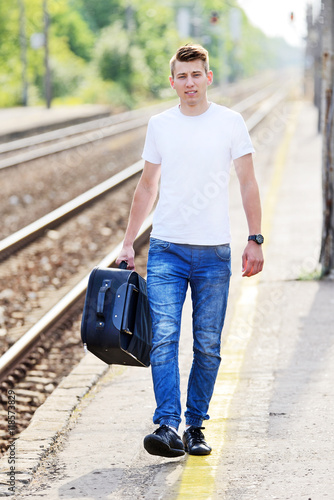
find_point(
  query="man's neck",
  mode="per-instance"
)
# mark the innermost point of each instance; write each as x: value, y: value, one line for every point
x: 199, y: 109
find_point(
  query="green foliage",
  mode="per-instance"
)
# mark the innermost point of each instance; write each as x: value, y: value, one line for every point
x: 113, y: 54
x: 117, y: 51
x: 66, y: 75
x: 119, y: 60
x: 154, y: 31
x: 99, y: 13
x: 101, y: 92
x: 10, y: 84
x: 70, y: 26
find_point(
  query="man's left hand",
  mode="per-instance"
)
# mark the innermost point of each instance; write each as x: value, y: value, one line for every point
x: 252, y: 259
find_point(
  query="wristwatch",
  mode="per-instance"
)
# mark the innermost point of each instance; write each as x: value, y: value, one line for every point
x: 258, y: 238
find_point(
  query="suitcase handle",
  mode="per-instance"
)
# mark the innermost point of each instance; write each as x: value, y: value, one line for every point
x: 106, y: 284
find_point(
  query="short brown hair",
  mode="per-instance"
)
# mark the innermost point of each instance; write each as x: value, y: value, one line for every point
x: 188, y: 53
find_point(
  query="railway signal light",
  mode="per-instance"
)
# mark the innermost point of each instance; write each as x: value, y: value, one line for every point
x: 214, y: 18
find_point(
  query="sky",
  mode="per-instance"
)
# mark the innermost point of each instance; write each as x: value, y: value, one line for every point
x: 273, y: 17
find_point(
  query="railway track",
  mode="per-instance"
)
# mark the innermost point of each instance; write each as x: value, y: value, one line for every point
x: 26, y: 356
x: 20, y: 238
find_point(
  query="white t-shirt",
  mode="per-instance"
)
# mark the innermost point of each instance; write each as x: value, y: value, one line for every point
x: 195, y: 153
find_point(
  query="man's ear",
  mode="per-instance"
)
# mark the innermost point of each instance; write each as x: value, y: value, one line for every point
x: 209, y: 77
x: 171, y: 81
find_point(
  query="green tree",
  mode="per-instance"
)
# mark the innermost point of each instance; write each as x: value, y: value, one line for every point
x: 155, y: 33
x: 121, y: 61
x: 69, y: 25
x: 70, y: 42
x: 132, y: 51
x: 10, y: 67
x: 100, y: 13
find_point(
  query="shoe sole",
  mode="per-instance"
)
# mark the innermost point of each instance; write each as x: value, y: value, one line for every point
x: 154, y: 446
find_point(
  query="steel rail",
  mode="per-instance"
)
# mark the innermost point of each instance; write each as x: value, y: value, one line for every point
x: 254, y: 99
x: 96, y: 130
x: 265, y: 108
x: 80, y: 128
x: 22, y: 347
x: 32, y: 231
x: 74, y: 142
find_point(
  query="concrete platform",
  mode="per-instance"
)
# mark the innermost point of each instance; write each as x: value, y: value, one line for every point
x: 271, y: 414
x: 22, y: 121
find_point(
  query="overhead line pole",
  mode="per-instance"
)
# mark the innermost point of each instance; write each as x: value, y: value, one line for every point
x: 23, y: 46
x: 327, y: 106
x: 46, y: 55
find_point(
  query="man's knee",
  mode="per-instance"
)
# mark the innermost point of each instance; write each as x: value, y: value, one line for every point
x: 209, y: 359
x: 163, y: 352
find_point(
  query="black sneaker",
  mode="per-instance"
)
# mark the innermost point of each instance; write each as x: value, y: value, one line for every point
x: 164, y: 442
x: 194, y: 442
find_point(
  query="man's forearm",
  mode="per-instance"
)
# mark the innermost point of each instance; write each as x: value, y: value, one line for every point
x: 252, y: 258
x: 143, y: 201
x: 252, y: 206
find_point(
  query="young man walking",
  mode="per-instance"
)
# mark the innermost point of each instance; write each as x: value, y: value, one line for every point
x: 190, y: 147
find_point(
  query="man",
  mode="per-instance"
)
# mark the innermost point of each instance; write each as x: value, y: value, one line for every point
x: 190, y: 146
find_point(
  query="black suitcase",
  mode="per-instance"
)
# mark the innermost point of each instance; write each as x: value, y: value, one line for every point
x: 116, y: 322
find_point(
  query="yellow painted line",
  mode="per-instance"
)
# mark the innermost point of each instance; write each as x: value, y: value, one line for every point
x: 198, y: 478
x: 199, y: 474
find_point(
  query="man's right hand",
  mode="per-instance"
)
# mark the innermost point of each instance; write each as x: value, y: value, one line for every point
x: 128, y: 255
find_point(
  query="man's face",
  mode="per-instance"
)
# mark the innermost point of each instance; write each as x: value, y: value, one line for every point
x: 190, y: 82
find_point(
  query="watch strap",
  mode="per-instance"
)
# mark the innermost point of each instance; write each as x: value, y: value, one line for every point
x: 258, y: 238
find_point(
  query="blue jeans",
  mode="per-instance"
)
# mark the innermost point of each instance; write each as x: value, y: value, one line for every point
x: 170, y: 268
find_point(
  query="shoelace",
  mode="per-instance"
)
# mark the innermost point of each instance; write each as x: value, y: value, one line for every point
x: 163, y: 427
x: 196, y: 433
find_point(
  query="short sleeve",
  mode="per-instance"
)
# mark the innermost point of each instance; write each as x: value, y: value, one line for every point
x: 241, y: 143
x: 150, y: 152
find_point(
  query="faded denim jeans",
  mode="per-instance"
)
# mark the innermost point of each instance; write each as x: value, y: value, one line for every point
x: 170, y: 268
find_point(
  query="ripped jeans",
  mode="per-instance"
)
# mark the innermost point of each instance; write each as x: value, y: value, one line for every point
x: 170, y: 268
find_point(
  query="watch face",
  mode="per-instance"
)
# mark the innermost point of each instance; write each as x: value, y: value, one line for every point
x: 259, y: 239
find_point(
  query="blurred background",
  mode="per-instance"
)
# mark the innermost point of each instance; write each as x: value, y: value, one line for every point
x: 116, y: 52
